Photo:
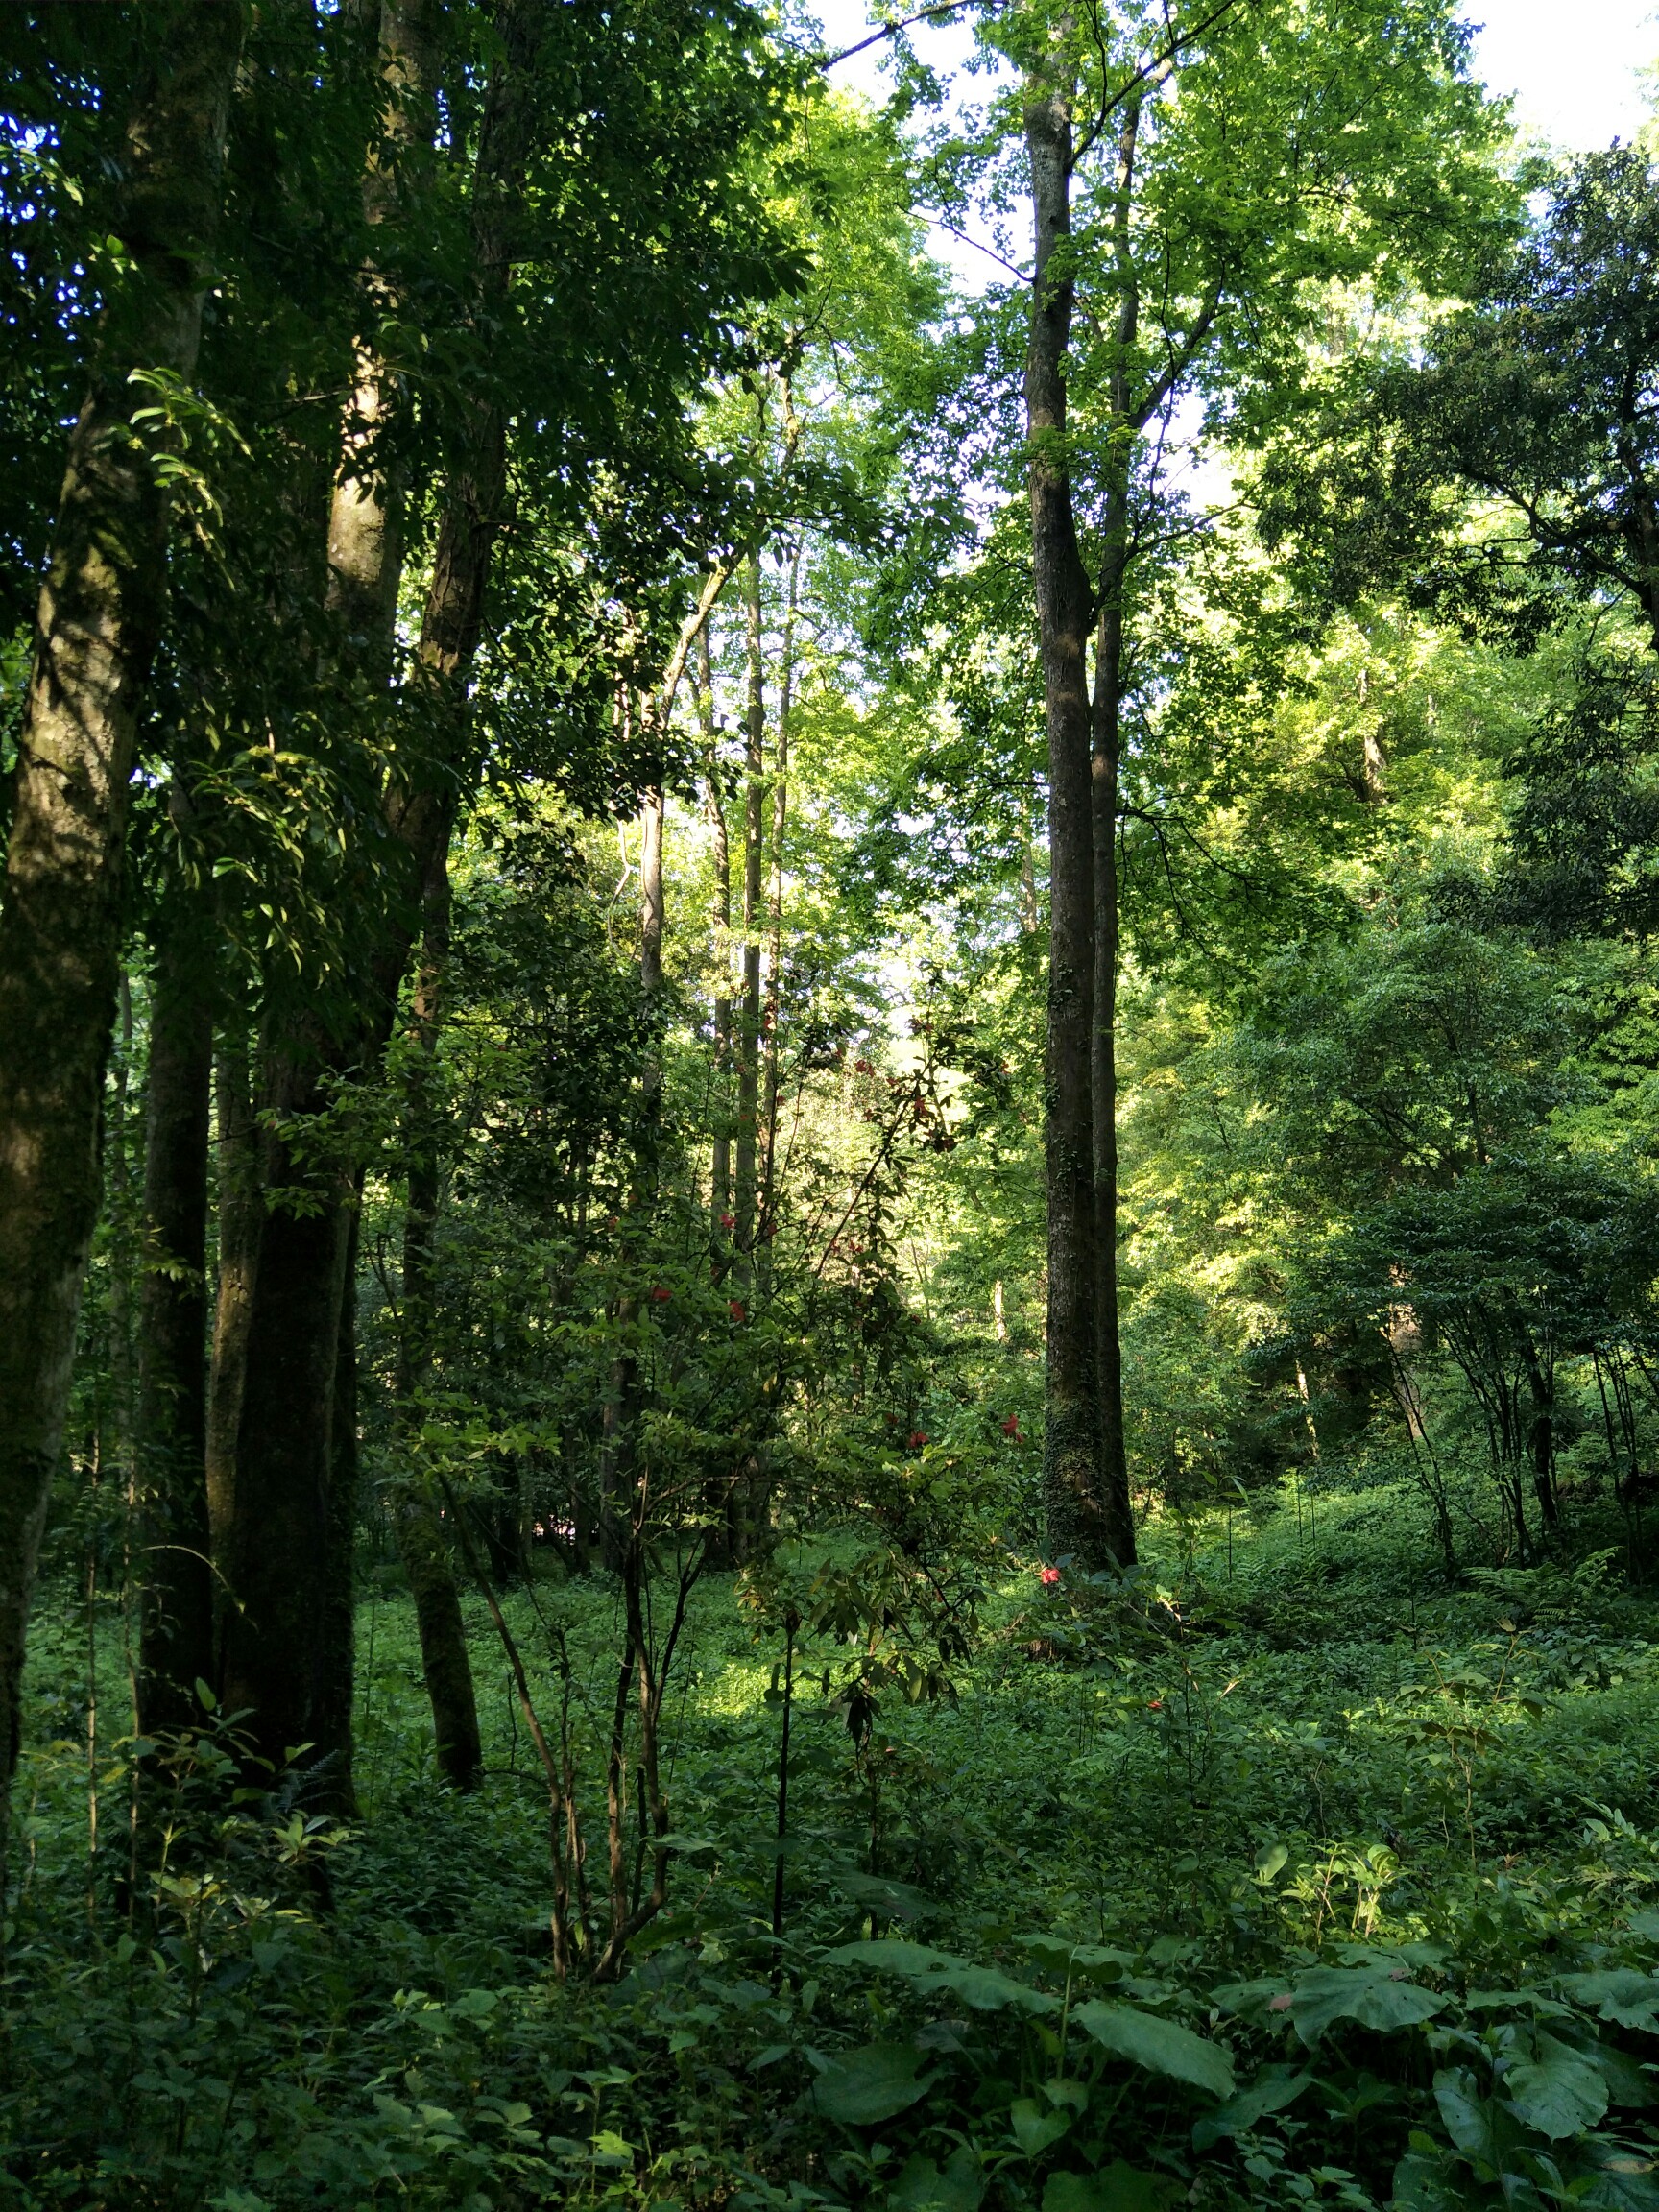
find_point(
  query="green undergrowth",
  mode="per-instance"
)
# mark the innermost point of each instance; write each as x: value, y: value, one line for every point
x: 1290, y: 1871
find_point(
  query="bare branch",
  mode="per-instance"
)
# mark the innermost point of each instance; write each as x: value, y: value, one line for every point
x: 891, y: 29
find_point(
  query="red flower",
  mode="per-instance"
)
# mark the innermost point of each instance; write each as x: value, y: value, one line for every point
x: 728, y: 1221
x: 918, y: 1437
x: 735, y: 1309
x: 1154, y: 1704
x: 1011, y: 1427
x: 659, y: 1296
x: 1048, y: 1577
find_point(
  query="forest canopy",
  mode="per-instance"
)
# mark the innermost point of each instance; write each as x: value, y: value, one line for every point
x: 828, y: 1114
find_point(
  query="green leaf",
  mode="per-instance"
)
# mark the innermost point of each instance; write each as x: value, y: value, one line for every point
x: 871, y: 2084
x: 1034, y: 2129
x: 1327, y: 1994
x: 1273, y: 2090
x: 923, y: 2187
x: 1467, y: 2115
x: 1481, y: 2127
x: 1421, y: 2184
x: 889, y: 1900
x: 1117, y: 2188
x: 986, y: 1990
x: 983, y: 1987
x: 1559, y: 2093
x: 894, y: 1954
x: 1622, y: 1995
x: 1252, y: 2000
x: 1097, y: 1961
x: 1625, y: 2179
x: 1161, y: 2046
x: 1628, y: 2082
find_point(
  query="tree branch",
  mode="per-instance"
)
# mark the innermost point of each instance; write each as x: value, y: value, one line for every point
x: 891, y: 29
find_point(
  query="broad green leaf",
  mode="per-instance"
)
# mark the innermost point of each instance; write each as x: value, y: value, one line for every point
x: 1622, y: 1995
x: 1034, y: 2129
x: 1116, y: 2188
x: 1252, y: 2000
x: 895, y: 1954
x: 1327, y: 1994
x: 1481, y: 2127
x: 1628, y: 2082
x: 889, y: 1900
x: 1467, y: 2114
x: 1532, y: 2000
x: 1559, y: 2093
x: 1421, y: 2184
x: 924, y: 2186
x: 1093, y: 1962
x: 983, y: 1987
x: 1621, y: 2179
x: 1273, y: 2090
x: 871, y: 2084
x: 987, y: 1991
x: 1161, y: 2046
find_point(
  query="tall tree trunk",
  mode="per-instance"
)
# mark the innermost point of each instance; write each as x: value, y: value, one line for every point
x: 284, y: 1437
x: 275, y: 1553
x: 95, y: 634
x: 720, y: 1177
x: 420, y: 1543
x: 116, y: 1450
x: 770, y: 1016
x: 239, y: 1214
x: 176, y: 1635
x: 365, y: 512
x: 334, y: 1787
x: 753, y: 863
x: 1071, y: 1469
x: 1116, y: 1512
x: 1541, y: 1427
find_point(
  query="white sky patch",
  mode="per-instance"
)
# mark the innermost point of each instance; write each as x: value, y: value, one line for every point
x: 1574, y: 69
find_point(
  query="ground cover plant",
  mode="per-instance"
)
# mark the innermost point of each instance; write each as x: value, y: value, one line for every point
x: 1384, y: 1925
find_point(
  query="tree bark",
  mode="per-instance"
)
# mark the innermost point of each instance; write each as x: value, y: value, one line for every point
x: 334, y: 1787
x: 753, y: 863
x: 239, y: 1212
x: 1117, y: 1518
x: 365, y: 512
x: 773, y: 1009
x: 280, y: 1541
x: 444, y: 1661
x: 175, y: 1634
x: 95, y: 634
x: 1071, y: 1468
x: 275, y: 1558
x: 720, y: 1175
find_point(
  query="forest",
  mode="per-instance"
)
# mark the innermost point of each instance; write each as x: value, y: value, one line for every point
x: 828, y: 1114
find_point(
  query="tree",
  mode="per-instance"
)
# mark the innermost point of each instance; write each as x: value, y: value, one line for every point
x: 96, y: 630
x: 1198, y: 181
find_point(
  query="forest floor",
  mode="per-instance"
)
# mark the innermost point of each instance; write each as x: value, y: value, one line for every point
x: 1374, y: 1856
